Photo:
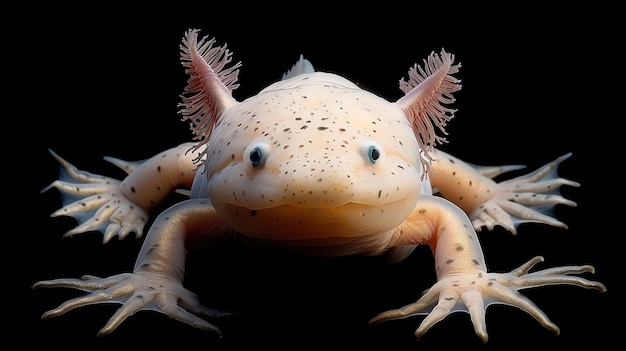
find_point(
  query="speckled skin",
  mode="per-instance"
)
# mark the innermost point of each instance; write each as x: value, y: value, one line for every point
x: 313, y: 163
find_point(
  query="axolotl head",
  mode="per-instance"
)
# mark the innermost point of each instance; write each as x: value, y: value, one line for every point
x: 313, y: 156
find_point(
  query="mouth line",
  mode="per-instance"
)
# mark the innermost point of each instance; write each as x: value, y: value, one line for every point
x: 254, y: 211
x: 289, y: 222
x: 318, y: 207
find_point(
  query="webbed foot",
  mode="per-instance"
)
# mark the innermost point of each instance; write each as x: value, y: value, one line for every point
x: 528, y: 198
x: 474, y: 292
x: 97, y: 203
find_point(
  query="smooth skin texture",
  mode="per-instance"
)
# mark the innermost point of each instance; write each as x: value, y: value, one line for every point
x: 314, y: 164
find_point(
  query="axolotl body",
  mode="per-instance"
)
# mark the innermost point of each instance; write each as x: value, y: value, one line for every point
x: 313, y: 163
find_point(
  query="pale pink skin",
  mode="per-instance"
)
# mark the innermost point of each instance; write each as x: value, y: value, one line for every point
x: 315, y: 164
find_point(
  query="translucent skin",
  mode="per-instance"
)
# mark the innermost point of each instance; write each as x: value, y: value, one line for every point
x: 316, y: 164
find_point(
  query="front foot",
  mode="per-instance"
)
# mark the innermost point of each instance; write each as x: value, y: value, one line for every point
x: 97, y: 203
x: 474, y: 292
x: 136, y: 292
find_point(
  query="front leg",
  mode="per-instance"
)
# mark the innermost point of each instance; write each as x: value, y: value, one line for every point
x: 463, y: 282
x: 156, y: 281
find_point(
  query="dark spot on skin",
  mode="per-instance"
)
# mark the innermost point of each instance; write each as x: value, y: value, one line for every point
x: 322, y: 128
x: 490, y: 284
x: 480, y: 275
x: 475, y: 261
x: 449, y: 261
x: 449, y: 298
x: 132, y: 188
x: 459, y: 248
x: 252, y: 213
x: 145, y: 265
x: 421, y: 211
x: 158, y: 168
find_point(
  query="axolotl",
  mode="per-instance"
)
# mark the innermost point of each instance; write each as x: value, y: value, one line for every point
x: 315, y: 164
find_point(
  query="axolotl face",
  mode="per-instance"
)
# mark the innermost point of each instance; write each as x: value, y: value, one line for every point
x: 313, y: 157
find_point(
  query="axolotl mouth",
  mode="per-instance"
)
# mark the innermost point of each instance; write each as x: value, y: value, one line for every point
x: 288, y: 222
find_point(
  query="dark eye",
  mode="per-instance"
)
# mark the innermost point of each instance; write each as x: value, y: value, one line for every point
x: 256, y: 154
x: 371, y: 151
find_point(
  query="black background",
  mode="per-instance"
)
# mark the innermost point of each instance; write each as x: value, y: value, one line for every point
x: 94, y: 82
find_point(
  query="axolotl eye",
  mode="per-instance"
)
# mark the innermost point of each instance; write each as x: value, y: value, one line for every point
x: 371, y: 151
x: 256, y: 154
